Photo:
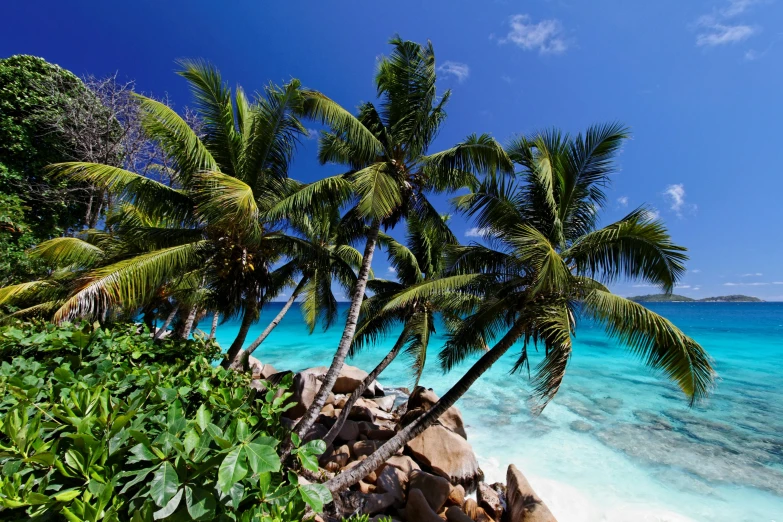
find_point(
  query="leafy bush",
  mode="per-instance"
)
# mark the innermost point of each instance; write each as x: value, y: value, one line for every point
x: 102, y: 424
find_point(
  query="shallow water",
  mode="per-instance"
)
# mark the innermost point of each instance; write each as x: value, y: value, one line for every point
x: 618, y: 443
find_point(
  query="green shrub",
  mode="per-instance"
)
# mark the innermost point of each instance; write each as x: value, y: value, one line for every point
x: 104, y: 424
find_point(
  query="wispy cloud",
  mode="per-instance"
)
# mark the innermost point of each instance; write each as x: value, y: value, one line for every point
x: 719, y: 28
x: 312, y: 134
x: 675, y: 194
x: 508, y: 79
x: 546, y: 36
x: 622, y: 201
x: 643, y: 286
x: 752, y: 274
x: 652, y: 213
x: 460, y: 71
x: 391, y: 270
x: 476, y: 232
x: 746, y: 284
x: 696, y: 288
x: 696, y: 271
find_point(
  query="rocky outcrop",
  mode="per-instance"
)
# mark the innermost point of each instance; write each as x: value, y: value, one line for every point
x: 490, y: 501
x: 523, y: 503
x: 418, y: 509
x: 446, y: 454
x: 435, y: 489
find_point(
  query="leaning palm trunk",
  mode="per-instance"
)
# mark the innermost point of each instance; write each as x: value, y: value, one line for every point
x: 242, y: 356
x: 189, y: 322
x: 166, y: 324
x: 215, y: 319
x: 335, y: 430
x: 345, y: 342
x: 350, y: 477
x: 248, y: 318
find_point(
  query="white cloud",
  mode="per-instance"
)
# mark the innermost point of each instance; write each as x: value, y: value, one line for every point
x: 675, y: 194
x: 312, y: 134
x: 643, y: 286
x: 716, y: 28
x: 391, y: 270
x: 461, y: 71
x: 753, y: 274
x: 623, y: 201
x: 476, y: 232
x: 696, y: 288
x: 778, y: 283
x: 545, y: 36
x: 720, y: 34
x: 696, y: 271
x: 507, y: 79
x: 683, y: 286
x: 652, y: 213
x: 745, y: 284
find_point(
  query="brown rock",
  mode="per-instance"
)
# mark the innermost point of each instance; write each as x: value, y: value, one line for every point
x: 455, y: 514
x: 435, y: 489
x: 349, y: 431
x: 349, y: 379
x: 377, y: 502
x: 523, y: 503
x: 403, y: 463
x: 489, y: 499
x: 305, y: 387
x: 316, y: 431
x: 366, y: 488
x: 365, y: 447
x: 456, y: 496
x: 328, y: 411
x: 447, y: 454
x: 424, y: 399
x: 418, y: 510
x: 380, y: 434
x: 339, y: 401
x: 385, y: 403
x: 366, y: 427
x: 391, y: 480
x: 360, y: 413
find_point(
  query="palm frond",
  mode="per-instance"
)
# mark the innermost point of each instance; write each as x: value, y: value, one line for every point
x: 65, y: 251
x: 659, y: 343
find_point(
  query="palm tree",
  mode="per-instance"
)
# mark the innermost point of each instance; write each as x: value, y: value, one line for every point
x: 390, y: 172
x: 547, y: 270
x: 422, y: 260
x: 225, y: 182
x: 322, y: 255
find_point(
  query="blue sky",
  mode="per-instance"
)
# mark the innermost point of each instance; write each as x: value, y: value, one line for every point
x: 698, y: 82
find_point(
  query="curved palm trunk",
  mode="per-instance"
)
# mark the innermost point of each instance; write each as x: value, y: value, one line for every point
x: 247, y: 321
x: 279, y: 317
x: 215, y: 319
x: 412, y: 430
x: 166, y: 324
x: 345, y: 342
x: 189, y: 322
x: 363, y: 386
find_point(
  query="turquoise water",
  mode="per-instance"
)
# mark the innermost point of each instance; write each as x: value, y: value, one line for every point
x: 618, y: 443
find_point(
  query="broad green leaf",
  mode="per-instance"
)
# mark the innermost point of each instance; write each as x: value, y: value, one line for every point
x: 217, y: 435
x: 232, y: 470
x: 191, y: 440
x: 169, y: 508
x: 175, y: 418
x: 262, y: 458
x: 203, y: 417
x: 316, y: 495
x: 200, y: 503
x: 164, y: 484
x: 308, y: 460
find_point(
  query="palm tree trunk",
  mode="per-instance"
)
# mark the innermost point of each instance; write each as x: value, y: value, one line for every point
x: 188, y: 327
x: 345, y: 342
x: 335, y: 429
x: 260, y: 339
x: 248, y: 318
x: 355, y: 474
x: 215, y: 319
x: 165, y: 326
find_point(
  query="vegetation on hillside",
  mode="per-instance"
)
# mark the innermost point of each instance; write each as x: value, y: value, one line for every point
x: 674, y: 298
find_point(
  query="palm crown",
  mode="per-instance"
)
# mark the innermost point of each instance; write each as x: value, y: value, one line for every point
x: 215, y: 227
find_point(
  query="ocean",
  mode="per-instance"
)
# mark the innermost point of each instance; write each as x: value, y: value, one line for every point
x: 619, y: 442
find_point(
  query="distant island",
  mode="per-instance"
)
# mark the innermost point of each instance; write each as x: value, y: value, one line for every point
x: 674, y: 298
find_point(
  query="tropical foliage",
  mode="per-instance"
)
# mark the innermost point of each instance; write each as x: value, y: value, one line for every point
x: 99, y: 424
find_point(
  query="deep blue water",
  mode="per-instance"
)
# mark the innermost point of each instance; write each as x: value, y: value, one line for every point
x: 618, y: 443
